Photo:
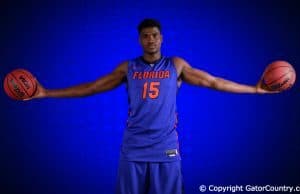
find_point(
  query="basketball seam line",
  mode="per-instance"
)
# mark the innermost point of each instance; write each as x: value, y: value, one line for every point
x: 11, y: 91
x: 276, y: 68
x: 29, y: 75
x: 278, y: 78
x: 20, y: 84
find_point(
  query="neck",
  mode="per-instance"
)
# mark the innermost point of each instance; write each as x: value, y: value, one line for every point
x: 152, y: 57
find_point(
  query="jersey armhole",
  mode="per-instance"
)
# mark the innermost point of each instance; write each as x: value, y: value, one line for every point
x: 173, y: 64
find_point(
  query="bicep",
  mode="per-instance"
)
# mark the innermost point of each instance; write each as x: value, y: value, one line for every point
x: 197, y: 77
x: 111, y: 80
x: 192, y: 75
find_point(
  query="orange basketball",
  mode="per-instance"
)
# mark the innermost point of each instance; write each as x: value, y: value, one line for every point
x: 279, y: 76
x: 20, y: 84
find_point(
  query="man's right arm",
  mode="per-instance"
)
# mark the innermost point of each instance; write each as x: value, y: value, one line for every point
x: 105, y: 83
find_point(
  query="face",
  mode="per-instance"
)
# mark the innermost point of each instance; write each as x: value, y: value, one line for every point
x: 150, y: 40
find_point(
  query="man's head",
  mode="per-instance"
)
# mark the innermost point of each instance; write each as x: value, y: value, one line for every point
x: 150, y: 36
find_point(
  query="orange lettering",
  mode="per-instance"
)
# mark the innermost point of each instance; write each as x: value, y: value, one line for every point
x: 135, y: 75
x: 161, y: 74
x: 140, y: 75
x: 151, y: 74
x: 167, y: 74
x: 146, y: 74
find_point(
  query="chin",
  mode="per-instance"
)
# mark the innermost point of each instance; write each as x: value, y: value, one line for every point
x: 152, y: 52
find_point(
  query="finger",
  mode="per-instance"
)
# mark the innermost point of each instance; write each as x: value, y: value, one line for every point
x: 27, y: 99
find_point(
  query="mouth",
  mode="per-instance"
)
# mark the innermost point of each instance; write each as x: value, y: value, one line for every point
x: 151, y: 46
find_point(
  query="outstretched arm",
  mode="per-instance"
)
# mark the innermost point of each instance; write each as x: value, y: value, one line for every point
x: 105, y: 83
x: 201, y: 78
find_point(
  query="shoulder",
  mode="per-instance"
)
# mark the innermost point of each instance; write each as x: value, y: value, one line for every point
x: 123, y: 63
x: 179, y: 61
x: 122, y: 66
x: 180, y: 64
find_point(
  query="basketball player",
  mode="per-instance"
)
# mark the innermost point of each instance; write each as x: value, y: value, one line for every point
x: 150, y: 158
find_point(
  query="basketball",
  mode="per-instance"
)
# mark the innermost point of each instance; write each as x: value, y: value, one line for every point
x: 279, y: 76
x: 19, y: 84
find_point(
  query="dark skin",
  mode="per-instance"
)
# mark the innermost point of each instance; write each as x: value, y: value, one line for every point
x: 151, y: 39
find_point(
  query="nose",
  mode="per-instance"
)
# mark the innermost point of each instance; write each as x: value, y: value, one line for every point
x: 151, y: 39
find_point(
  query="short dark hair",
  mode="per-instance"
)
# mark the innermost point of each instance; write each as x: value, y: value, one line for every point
x: 146, y: 23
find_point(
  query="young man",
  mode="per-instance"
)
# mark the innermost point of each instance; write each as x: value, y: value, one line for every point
x: 150, y: 159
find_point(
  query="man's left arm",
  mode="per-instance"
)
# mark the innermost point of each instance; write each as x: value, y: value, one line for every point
x: 201, y: 78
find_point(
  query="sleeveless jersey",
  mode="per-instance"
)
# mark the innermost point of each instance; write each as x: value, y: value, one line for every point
x: 151, y: 134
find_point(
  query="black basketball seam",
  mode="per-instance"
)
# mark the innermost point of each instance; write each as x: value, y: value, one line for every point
x: 29, y: 75
x: 278, y: 78
x: 276, y: 68
x: 12, y: 92
x: 20, y: 84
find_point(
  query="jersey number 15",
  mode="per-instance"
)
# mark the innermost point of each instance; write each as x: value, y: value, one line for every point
x: 151, y: 89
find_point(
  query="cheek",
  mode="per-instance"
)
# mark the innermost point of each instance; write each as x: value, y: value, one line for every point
x: 159, y: 41
x: 144, y: 43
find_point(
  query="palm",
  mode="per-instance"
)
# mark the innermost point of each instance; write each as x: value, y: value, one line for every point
x: 40, y: 91
x: 261, y: 88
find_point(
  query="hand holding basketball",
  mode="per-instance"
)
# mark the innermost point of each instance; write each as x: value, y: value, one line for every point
x: 20, y: 84
x: 279, y: 76
x: 40, y: 91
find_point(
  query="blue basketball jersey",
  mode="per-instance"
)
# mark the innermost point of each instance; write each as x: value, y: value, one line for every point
x: 151, y: 134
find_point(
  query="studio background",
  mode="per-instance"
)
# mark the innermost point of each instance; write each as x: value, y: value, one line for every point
x: 72, y: 145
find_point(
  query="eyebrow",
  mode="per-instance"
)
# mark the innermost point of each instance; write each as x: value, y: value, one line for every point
x: 147, y: 33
